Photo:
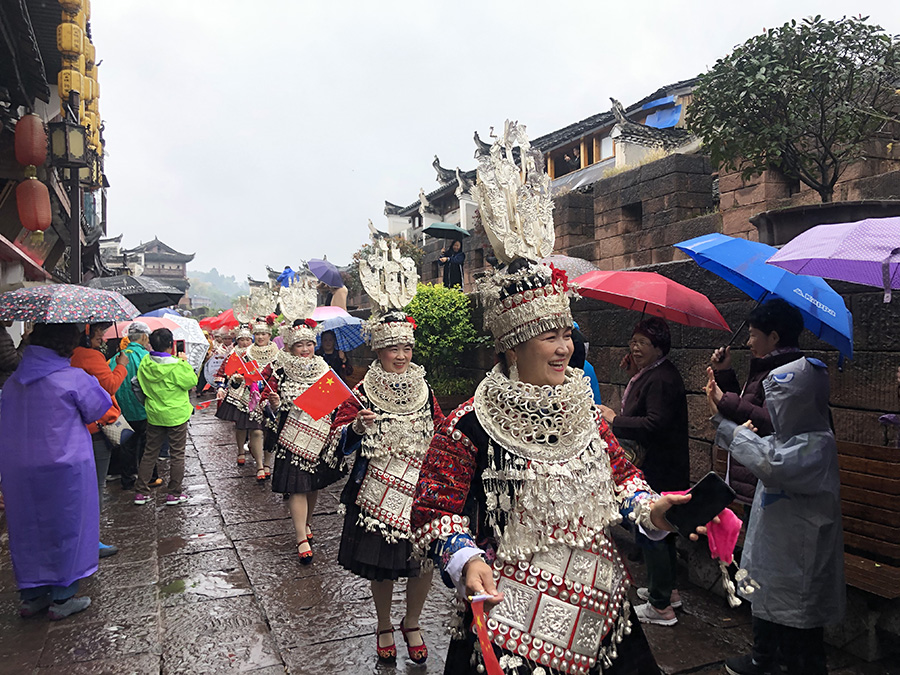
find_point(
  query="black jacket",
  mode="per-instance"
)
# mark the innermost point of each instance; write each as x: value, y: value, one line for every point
x: 656, y: 416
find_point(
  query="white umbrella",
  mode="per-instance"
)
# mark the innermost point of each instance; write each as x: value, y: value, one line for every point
x: 195, y: 343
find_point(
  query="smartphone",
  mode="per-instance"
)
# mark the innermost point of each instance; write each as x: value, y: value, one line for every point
x: 179, y: 347
x: 708, y: 498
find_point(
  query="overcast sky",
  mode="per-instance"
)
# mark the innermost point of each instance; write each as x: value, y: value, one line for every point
x: 255, y: 133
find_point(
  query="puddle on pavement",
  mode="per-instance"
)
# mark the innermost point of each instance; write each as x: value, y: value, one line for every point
x: 172, y: 545
x: 209, y: 584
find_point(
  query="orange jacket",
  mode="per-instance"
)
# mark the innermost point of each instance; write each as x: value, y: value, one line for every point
x: 93, y: 363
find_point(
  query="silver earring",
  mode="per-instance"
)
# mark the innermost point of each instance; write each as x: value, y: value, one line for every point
x: 514, y: 372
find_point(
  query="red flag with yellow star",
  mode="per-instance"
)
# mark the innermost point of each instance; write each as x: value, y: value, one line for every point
x: 328, y: 392
x: 479, y: 622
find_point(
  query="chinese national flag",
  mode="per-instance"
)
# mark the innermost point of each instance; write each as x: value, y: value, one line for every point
x: 233, y: 365
x: 251, y: 372
x: 324, y: 396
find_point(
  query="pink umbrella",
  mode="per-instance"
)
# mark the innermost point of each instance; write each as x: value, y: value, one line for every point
x: 121, y: 328
x: 322, y: 313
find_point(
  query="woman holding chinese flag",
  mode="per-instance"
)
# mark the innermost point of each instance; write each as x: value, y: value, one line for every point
x: 304, y: 443
x: 390, y: 425
x: 241, y: 399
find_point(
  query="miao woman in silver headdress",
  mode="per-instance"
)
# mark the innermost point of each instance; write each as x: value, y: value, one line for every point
x: 302, y: 450
x: 390, y: 427
x: 522, y: 483
x: 233, y: 396
x: 243, y: 403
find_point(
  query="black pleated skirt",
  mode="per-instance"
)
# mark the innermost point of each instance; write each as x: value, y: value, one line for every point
x: 369, y: 555
x: 290, y: 479
x: 231, y: 413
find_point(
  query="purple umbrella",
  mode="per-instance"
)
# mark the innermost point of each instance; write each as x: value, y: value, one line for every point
x: 865, y: 252
x: 326, y: 272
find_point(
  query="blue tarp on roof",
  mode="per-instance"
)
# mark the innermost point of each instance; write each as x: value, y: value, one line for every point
x: 664, y: 119
x: 655, y: 103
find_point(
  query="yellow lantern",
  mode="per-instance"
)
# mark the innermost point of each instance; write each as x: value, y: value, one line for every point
x: 87, y: 89
x: 90, y: 53
x: 67, y: 81
x: 87, y: 9
x: 93, y: 121
x: 69, y: 39
x: 71, y: 62
x: 71, y: 6
x: 95, y: 89
x: 95, y: 137
x: 93, y: 106
x: 81, y: 20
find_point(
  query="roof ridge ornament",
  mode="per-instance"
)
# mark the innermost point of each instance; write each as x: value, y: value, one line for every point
x: 514, y: 199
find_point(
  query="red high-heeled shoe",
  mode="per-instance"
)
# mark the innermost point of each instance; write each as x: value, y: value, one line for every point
x: 305, y: 556
x: 416, y: 654
x: 389, y: 653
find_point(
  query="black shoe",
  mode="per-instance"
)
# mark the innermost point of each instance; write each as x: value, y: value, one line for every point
x: 745, y: 665
x: 107, y: 550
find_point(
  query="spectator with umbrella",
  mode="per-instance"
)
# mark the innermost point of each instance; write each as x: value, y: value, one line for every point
x: 44, y: 441
x: 452, y: 261
x: 654, y: 419
x: 136, y: 349
x: 89, y: 357
x: 334, y: 357
x: 331, y: 283
x: 775, y: 328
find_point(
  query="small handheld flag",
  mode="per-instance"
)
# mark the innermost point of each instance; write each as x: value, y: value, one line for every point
x: 324, y: 396
x: 491, y: 665
x: 233, y: 365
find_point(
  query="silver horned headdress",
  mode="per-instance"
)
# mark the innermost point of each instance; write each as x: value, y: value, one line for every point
x: 390, y: 279
x: 523, y: 298
x: 514, y: 199
x: 298, y: 300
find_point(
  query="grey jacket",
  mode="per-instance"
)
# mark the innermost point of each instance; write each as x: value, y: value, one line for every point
x: 794, y: 547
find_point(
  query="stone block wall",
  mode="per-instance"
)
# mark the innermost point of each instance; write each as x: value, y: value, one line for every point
x: 861, y: 391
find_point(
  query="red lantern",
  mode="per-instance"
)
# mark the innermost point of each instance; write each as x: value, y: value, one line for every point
x: 31, y: 140
x: 33, y: 203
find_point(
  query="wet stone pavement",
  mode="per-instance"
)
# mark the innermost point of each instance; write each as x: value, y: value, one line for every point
x: 214, y: 586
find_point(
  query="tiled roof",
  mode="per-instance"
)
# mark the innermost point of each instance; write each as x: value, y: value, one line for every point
x: 569, y: 133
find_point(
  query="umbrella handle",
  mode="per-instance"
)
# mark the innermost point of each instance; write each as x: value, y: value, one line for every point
x: 886, y: 273
x: 744, y: 322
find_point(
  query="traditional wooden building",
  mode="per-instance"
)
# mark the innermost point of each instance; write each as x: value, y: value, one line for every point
x: 161, y: 261
x: 32, y: 68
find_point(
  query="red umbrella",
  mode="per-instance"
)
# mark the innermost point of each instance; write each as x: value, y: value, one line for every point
x: 121, y: 328
x: 224, y: 320
x: 652, y: 293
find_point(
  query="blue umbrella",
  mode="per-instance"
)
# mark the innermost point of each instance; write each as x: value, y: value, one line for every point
x: 347, y: 332
x: 160, y: 313
x: 742, y: 263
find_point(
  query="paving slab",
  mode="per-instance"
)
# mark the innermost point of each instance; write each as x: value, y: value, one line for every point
x: 215, y: 586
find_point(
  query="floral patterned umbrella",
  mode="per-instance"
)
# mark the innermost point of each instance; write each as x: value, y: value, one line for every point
x: 64, y: 303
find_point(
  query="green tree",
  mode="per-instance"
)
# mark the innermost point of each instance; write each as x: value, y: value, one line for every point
x: 444, y: 327
x: 804, y: 98
x: 351, y: 275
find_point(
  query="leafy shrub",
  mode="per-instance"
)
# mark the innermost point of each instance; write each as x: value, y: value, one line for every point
x: 444, y: 318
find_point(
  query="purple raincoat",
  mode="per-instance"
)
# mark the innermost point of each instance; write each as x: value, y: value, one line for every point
x: 47, y: 467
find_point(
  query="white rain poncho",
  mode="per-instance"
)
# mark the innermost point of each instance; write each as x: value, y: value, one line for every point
x: 794, y: 547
